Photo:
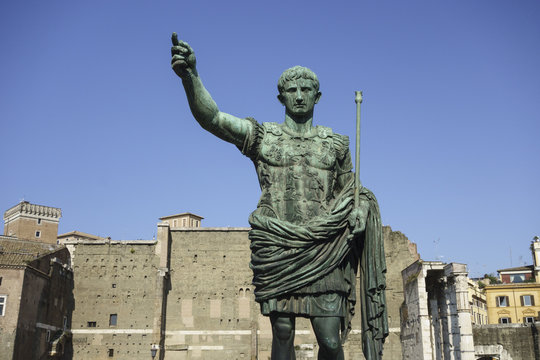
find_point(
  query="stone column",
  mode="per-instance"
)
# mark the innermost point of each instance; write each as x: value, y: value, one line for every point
x: 436, y: 326
x: 415, y: 326
x: 445, y: 315
x: 460, y: 313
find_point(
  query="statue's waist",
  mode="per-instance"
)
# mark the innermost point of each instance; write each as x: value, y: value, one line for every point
x: 292, y: 208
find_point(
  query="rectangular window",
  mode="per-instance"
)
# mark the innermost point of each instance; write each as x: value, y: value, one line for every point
x: 38, y: 234
x: 2, y: 304
x: 518, y: 278
x: 91, y: 324
x: 113, y: 319
x: 527, y: 300
x: 39, y: 221
x: 114, y: 286
x: 502, y: 301
x: 175, y: 223
x: 504, y: 320
x: 528, y: 319
x: 111, y: 352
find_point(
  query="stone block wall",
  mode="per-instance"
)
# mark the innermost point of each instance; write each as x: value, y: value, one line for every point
x: 11, y: 288
x: 195, y: 285
x: 507, y: 341
x: 41, y: 309
x: 211, y: 312
x: 399, y: 253
x: 210, y: 305
x: 114, y: 280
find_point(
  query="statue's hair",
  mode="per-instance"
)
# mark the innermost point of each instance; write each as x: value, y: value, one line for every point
x: 297, y: 72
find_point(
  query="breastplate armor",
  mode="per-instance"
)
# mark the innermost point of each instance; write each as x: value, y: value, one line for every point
x: 297, y: 172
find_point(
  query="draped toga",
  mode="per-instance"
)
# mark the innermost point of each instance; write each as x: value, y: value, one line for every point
x: 304, y: 256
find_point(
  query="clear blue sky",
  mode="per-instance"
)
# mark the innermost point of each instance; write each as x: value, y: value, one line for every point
x: 94, y: 121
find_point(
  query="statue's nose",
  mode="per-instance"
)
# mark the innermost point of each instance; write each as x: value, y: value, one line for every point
x: 299, y: 97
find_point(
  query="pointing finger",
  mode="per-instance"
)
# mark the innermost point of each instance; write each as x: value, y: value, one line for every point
x: 174, y: 39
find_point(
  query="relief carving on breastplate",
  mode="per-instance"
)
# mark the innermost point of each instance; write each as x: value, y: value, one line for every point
x: 295, y: 174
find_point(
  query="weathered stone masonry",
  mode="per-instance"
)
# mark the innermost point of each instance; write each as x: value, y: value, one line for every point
x: 189, y: 294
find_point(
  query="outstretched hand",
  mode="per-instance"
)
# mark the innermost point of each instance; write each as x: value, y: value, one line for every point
x: 183, y: 58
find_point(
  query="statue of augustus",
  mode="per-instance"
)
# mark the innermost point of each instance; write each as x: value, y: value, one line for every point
x: 308, y: 238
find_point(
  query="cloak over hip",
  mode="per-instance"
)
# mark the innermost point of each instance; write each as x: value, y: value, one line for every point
x: 287, y: 257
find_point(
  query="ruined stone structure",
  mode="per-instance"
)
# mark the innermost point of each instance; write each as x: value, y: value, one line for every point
x: 188, y: 295
x: 116, y: 298
x: 507, y: 342
x: 36, y: 285
x: 436, y: 314
x: 32, y: 222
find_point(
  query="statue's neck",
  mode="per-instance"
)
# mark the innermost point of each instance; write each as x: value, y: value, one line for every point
x: 300, y: 125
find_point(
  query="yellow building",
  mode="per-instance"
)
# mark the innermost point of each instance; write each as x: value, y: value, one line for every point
x: 513, y: 303
x: 517, y: 298
x: 477, y: 303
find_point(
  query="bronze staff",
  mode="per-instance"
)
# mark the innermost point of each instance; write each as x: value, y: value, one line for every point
x: 357, y: 183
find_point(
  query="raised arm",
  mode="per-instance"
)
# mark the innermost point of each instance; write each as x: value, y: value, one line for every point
x: 203, y: 107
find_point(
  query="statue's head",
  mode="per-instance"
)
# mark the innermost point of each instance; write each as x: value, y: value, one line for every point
x: 297, y: 72
x: 298, y: 92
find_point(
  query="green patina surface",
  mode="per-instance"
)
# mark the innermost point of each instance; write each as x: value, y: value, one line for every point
x: 309, y: 236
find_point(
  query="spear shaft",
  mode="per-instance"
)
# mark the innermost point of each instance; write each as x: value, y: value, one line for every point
x: 357, y: 183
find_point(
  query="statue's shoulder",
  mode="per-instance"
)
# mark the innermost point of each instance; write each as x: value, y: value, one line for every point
x: 324, y: 131
x: 341, y: 142
x: 272, y: 128
x: 368, y: 195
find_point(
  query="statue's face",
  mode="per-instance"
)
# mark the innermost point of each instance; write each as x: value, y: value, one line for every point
x: 299, y: 97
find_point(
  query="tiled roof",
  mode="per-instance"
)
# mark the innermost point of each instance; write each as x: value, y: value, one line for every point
x: 20, y: 252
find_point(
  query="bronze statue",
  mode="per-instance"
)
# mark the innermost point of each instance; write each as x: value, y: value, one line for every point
x: 307, y: 236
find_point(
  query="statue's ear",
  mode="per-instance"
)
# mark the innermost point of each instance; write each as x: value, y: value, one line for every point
x: 317, y: 97
x: 280, y: 98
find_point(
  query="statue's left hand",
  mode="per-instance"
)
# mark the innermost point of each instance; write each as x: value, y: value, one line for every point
x: 358, y: 217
